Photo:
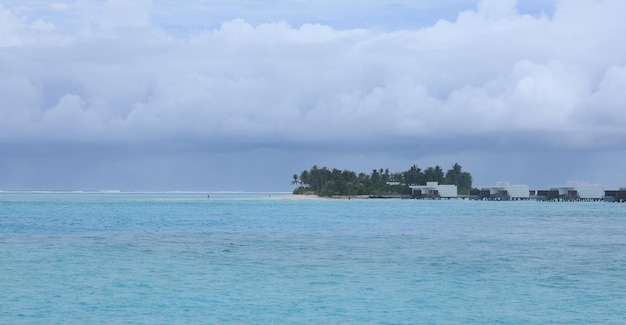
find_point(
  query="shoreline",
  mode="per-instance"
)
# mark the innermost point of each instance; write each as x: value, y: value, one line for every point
x: 315, y: 197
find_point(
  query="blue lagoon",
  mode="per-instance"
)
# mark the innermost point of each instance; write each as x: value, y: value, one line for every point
x: 268, y: 258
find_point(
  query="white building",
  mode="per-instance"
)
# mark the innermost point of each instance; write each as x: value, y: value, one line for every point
x: 434, y: 190
x: 579, y: 190
x: 506, y: 191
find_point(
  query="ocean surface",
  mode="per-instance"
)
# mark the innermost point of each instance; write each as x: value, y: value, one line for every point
x: 261, y: 258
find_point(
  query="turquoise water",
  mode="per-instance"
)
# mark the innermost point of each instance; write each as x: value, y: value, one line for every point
x: 257, y: 258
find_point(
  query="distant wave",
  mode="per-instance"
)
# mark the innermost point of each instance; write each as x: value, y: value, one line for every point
x: 140, y: 192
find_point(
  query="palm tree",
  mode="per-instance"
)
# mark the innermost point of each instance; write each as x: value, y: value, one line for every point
x: 305, y: 179
x: 439, y: 174
x: 453, y: 176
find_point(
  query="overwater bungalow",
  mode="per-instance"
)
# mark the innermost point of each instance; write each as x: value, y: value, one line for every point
x: 503, y: 191
x: 615, y: 195
x: 434, y: 190
x: 576, y: 191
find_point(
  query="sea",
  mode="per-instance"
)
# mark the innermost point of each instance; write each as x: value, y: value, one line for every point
x: 272, y: 258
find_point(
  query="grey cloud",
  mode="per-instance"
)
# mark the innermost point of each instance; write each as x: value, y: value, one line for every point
x: 490, y: 79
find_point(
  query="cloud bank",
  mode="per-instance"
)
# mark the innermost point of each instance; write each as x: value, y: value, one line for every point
x: 491, y: 78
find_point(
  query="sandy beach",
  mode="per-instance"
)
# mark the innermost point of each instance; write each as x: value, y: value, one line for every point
x: 315, y: 197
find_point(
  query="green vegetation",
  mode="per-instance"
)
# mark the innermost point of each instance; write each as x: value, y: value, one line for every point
x: 331, y: 182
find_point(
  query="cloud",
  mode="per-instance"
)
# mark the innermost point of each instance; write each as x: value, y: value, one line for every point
x: 16, y: 31
x: 503, y: 71
x: 493, y: 77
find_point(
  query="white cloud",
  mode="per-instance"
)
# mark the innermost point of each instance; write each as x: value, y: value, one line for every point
x: 16, y: 31
x: 492, y: 67
x: 606, y: 104
x: 9, y: 26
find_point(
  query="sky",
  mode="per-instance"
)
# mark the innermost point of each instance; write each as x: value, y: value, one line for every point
x: 238, y: 95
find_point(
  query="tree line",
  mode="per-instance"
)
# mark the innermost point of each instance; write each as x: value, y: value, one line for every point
x: 330, y: 182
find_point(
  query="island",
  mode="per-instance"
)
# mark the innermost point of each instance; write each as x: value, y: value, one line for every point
x: 327, y: 182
